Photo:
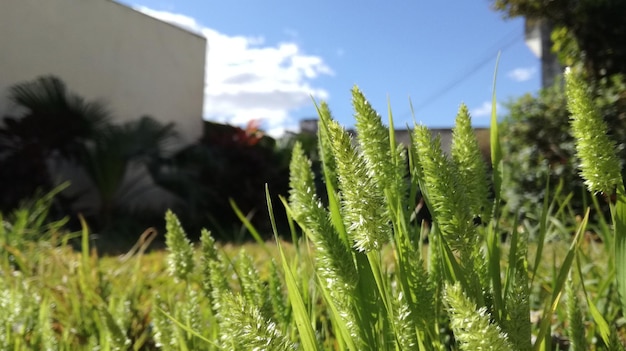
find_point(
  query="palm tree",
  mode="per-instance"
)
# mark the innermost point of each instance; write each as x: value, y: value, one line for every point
x: 52, y: 123
x: 111, y: 161
x: 59, y: 127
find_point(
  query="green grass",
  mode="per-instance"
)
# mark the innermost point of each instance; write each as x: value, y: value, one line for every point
x: 360, y: 277
x: 53, y: 280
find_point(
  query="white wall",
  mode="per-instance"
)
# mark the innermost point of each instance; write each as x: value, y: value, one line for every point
x: 104, y: 50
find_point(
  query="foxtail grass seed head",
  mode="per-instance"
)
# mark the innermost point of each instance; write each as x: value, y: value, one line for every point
x: 518, y: 326
x: 207, y: 246
x: 447, y: 197
x: 208, y: 254
x: 407, y: 338
x: 252, y: 286
x: 599, y: 165
x: 373, y: 139
x: 576, y: 326
x: 472, y: 327
x: 180, y: 258
x: 421, y: 288
x: 302, y: 193
x: 614, y: 340
x: 219, y: 285
x: 191, y: 309
x: 278, y: 299
x: 335, y: 259
x: 248, y: 328
x: 325, y: 145
x: 365, y: 214
x: 472, y: 170
x: 117, y: 338
x: 164, y: 335
x: 49, y: 340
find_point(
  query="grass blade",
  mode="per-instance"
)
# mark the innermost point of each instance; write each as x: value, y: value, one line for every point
x: 246, y: 222
x: 299, y: 310
x: 496, y: 149
x: 619, y: 220
x: 559, y: 283
x: 601, y: 324
x: 543, y: 229
x: 186, y: 328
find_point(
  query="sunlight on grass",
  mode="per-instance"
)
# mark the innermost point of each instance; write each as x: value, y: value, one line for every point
x: 361, y: 273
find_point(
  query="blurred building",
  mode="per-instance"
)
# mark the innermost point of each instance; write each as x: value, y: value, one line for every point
x: 537, y: 36
x: 308, y: 125
x: 102, y: 50
x: 106, y: 51
x: 403, y: 136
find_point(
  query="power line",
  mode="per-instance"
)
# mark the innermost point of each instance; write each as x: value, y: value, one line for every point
x: 502, y: 44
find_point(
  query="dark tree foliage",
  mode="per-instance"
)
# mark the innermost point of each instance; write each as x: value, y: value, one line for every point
x: 227, y: 163
x: 591, y: 32
x: 51, y: 122
x: 51, y: 127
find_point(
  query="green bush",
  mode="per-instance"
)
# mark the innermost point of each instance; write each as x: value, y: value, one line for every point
x: 228, y: 163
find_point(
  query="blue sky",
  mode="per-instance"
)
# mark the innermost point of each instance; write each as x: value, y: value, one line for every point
x: 266, y: 58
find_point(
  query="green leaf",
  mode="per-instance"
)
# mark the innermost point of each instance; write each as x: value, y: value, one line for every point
x: 496, y: 149
x: 559, y: 283
x: 186, y: 328
x: 246, y: 222
x: 300, y: 313
x: 619, y: 219
x: 601, y: 324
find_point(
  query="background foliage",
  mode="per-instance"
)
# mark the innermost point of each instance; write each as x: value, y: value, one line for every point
x: 227, y: 164
x: 587, y: 35
x: 591, y: 33
x: 53, y: 127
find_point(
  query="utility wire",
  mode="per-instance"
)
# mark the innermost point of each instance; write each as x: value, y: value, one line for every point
x: 502, y: 44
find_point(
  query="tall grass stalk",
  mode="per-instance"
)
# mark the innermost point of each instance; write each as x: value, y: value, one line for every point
x: 599, y: 165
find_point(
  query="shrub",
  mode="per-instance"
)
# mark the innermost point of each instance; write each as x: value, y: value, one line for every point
x: 228, y: 163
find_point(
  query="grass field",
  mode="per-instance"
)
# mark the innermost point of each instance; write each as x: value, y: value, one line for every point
x: 359, y: 276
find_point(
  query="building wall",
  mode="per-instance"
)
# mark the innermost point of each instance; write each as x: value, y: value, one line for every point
x: 106, y: 51
x: 445, y: 134
x: 103, y: 50
x: 537, y: 35
x: 403, y: 136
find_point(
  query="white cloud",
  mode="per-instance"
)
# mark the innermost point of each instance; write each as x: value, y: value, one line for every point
x: 484, y: 110
x: 246, y: 79
x: 522, y: 74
